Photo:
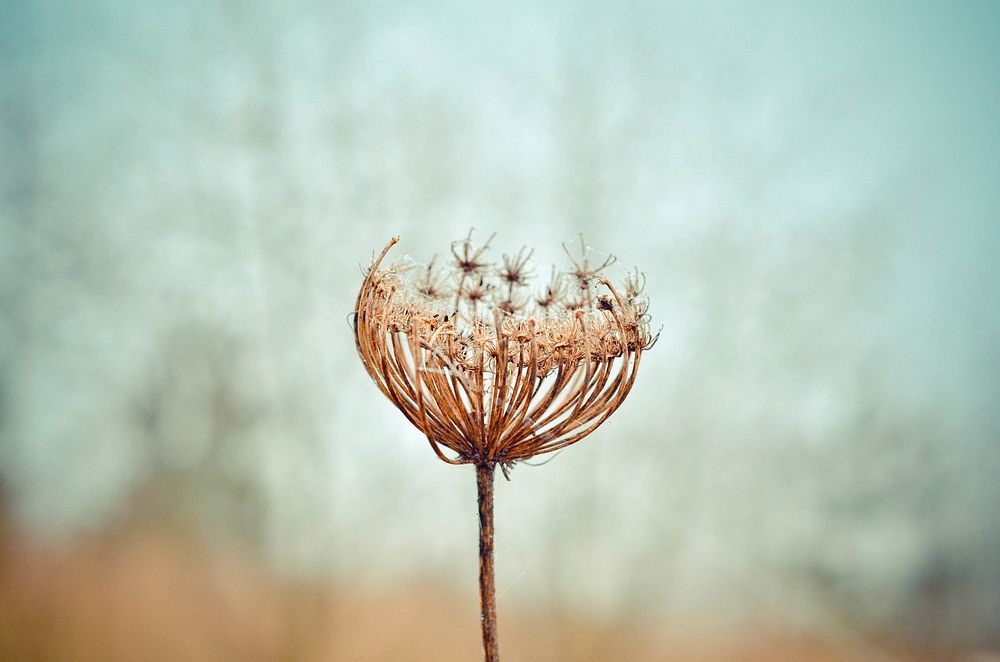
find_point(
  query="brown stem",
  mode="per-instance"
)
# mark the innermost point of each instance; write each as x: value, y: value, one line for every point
x: 487, y: 587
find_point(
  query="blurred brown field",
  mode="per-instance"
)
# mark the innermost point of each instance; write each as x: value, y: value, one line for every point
x: 149, y: 595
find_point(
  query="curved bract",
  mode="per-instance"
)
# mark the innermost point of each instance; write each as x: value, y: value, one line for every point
x: 489, y: 374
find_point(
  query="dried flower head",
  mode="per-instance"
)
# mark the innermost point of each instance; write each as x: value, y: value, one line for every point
x: 494, y: 376
x: 585, y: 274
x: 515, y: 270
x: 467, y: 255
x: 553, y: 294
x: 499, y: 376
x: 431, y: 282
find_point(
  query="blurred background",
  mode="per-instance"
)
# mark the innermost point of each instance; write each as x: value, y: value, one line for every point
x: 194, y: 465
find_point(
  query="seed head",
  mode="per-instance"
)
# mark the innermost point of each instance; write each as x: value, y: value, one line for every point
x: 514, y: 272
x: 582, y: 271
x: 431, y: 283
x: 467, y: 255
x: 499, y: 376
x: 553, y: 294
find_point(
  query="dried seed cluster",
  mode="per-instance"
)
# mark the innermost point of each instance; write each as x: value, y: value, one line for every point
x: 491, y: 371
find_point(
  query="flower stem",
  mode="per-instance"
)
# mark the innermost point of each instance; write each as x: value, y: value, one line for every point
x: 487, y: 587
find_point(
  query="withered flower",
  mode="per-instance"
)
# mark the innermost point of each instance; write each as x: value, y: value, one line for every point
x: 494, y: 377
x: 467, y: 260
x: 515, y: 272
x: 585, y: 274
x: 553, y: 293
x: 431, y: 282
